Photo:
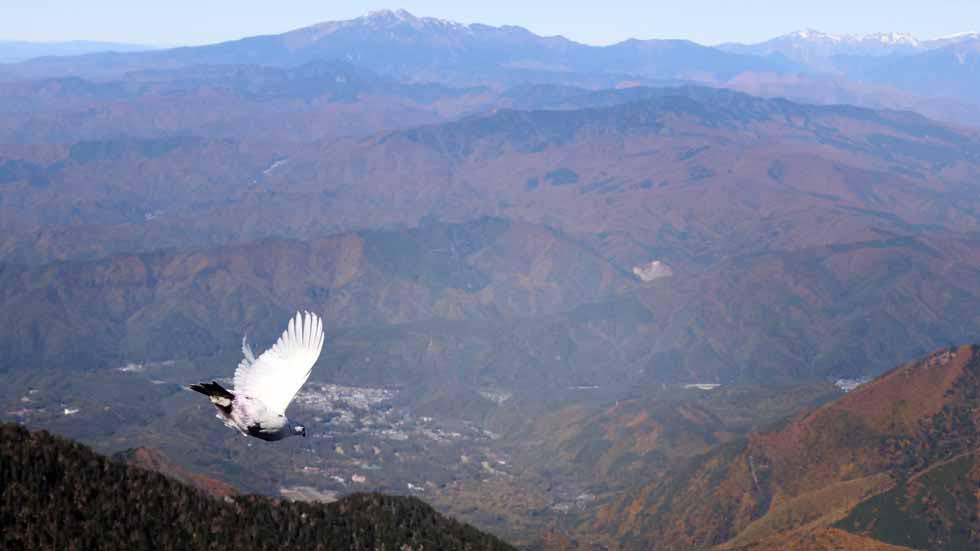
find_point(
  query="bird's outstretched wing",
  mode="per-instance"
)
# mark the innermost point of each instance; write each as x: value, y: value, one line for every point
x: 278, y: 373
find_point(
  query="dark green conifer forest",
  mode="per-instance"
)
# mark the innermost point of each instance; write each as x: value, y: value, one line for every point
x: 59, y: 495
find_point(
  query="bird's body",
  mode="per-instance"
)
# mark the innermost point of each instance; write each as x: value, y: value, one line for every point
x: 265, y: 386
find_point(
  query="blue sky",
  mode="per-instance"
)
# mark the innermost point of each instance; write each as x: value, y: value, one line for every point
x: 176, y: 22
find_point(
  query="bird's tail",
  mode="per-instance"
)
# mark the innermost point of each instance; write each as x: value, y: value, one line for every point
x: 219, y: 395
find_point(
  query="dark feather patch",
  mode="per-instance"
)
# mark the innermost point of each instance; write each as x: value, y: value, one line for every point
x: 219, y: 395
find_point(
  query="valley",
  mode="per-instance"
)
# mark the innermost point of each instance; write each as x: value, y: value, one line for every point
x: 494, y: 471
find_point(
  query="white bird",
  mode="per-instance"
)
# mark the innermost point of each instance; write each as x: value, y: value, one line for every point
x: 265, y: 386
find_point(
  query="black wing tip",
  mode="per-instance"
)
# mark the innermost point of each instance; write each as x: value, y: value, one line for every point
x: 211, y: 389
x: 202, y: 386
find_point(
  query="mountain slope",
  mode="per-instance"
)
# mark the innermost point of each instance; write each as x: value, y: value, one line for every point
x: 61, y: 495
x: 821, y: 539
x: 918, y: 419
x: 154, y: 460
x: 935, y: 509
x: 510, y: 297
x: 952, y: 71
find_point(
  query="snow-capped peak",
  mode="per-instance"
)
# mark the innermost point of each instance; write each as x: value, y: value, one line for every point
x: 889, y: 38
x: 810, y: 34
x: 959, y: 36
x: 400, y: 16
x: 380, y: 20
x: 892, y: 38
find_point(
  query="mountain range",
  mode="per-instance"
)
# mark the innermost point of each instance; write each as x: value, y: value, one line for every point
x: 425, y: 49
x: 839, y: 209
x: 883, y: 69
x: 12, y: 51
x: 811, y: 47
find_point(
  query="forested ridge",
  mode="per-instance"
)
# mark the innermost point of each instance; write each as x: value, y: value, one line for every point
x: 59, y: 495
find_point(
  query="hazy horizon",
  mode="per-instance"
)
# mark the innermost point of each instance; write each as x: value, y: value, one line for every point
x: 183, y: 23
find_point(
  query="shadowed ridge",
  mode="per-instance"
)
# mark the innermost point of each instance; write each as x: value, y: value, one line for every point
x: 57, y: 494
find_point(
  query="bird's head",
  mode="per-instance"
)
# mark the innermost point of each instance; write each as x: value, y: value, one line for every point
x: 299, y: 430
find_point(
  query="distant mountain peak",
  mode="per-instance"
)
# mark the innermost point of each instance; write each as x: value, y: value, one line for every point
x: 815, y: 48
x: 399, y: 21
x: 888, y: 38
x: 388, y: 14
x: 384, y: 19
x: 387, y: 18
x: 811, y: 34
x: 960, y: 36
x: 892, y: 38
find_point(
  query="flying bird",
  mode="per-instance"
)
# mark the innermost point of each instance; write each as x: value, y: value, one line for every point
x: 265, y: 386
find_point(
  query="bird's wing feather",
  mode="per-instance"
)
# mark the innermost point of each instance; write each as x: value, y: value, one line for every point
x: 247, y: 352
x: 278, y: 373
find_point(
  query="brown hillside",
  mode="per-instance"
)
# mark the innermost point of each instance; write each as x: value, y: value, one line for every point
x: 816, y: 468
x: 805, y: 241
x: 836, y: 442
x: 154, y: 460
x: 820, y: 539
